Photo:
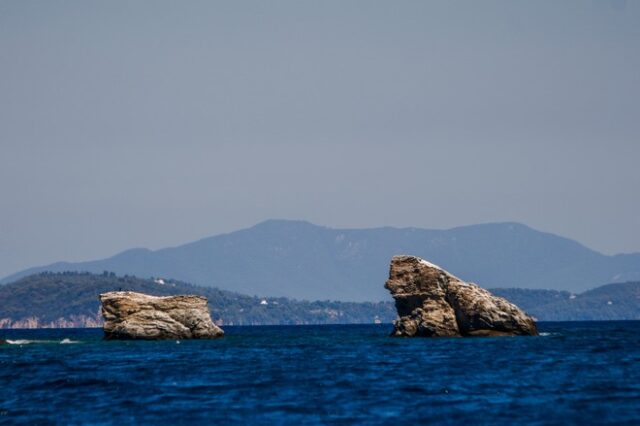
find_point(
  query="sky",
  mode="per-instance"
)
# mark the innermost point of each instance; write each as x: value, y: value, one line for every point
x: 155, y: 123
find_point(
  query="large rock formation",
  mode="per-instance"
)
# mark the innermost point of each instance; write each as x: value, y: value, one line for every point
x: 431, y: 302
x: 130, y: 315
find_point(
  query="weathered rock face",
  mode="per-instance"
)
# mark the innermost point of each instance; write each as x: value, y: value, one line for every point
x: 129, y: 315
x: 431, y: 303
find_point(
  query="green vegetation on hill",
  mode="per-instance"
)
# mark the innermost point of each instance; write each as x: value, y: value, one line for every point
x: 73, y: 297
x: 70, y: 299
x: 531, y: 300
x: 620, y: 301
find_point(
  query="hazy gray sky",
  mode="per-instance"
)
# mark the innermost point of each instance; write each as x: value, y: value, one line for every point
x: 150, y: 123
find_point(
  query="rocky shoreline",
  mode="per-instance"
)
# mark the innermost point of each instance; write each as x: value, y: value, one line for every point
x: 33, y: 322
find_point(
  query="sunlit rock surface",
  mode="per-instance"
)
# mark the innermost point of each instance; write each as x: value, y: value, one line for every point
x: 433, y: 303
x: 130, y: 315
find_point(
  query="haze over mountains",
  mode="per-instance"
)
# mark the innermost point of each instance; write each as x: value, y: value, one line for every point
x: 300, y: 260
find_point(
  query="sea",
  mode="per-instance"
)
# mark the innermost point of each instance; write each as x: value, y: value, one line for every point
x: 573, y: 373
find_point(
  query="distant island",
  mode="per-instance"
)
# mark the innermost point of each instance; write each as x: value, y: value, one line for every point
x: 70, y: 299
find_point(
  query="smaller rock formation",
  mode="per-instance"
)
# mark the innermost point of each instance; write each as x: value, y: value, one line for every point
x: 433, y: 303
x: 130, y: 315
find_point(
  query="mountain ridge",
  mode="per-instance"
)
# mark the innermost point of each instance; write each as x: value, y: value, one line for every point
x: 293, y: 258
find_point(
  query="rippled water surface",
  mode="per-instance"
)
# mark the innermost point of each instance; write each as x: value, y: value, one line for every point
x: 586, y: 373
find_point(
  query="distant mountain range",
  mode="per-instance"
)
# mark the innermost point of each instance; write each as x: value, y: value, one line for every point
x: 71, y: 300
x: 300, y: 260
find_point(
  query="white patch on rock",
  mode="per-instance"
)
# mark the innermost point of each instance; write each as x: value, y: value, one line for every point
x: 429, y: 264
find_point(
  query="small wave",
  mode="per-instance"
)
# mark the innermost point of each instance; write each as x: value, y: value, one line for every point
x: 20, y: 342
x: 31, y: 342
x: 545, y: 334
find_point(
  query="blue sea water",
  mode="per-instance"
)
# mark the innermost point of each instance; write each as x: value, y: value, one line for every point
x: 575, y: 373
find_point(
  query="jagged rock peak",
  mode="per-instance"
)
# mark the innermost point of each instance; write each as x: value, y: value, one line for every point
x: 130, y: 315
x: 431, y: 302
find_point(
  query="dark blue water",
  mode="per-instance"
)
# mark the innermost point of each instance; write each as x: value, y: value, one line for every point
x: 586, y: 373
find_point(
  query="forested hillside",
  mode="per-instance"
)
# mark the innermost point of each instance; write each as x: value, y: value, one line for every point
x: 71, y: 299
